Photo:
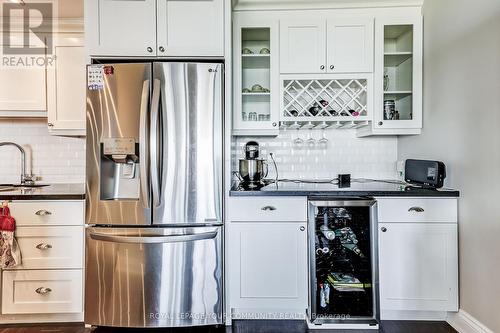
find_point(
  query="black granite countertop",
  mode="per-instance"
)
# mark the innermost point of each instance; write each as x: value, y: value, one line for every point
x: 370, y: 188
x: 50, y: 192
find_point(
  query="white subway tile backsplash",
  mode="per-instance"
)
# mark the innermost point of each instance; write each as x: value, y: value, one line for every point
x: 345, y: 153
x: 54, y: 159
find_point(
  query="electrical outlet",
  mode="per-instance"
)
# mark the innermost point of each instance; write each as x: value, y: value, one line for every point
x: 400, y: 167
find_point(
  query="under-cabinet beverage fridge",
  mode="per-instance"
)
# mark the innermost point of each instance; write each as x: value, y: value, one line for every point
x: 154, y: 194
x: 343, y: 263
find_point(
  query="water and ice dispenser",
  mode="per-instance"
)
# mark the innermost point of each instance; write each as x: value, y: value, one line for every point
x: 120, y: 163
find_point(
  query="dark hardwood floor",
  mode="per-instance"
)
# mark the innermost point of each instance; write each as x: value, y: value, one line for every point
x: 244, y: 326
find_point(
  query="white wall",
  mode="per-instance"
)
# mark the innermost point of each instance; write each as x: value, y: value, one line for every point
x: 54, y: 159
x: 462, y: 128
x: 345, y: 153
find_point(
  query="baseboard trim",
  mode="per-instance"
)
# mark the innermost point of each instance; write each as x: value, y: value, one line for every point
x: 463, y: 322
x: 413, y: 315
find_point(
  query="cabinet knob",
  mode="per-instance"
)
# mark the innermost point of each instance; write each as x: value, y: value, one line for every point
x: 302, y: 228
x: 416, y: 209
x: 43, y: 246
x: 42, y: 212
x: 332, y: 67
x: 162, y: 49
x: 275, y: 124
x: 50, y: 125
x: 150, y: 49
x: 322, y: 67
x: 268, y: 208
x: 43, y: 290
x: 383, y: 229
x: 380, y: 123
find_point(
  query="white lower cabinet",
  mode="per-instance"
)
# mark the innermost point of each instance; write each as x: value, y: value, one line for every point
x: 267, y: 269
x: 418, y: 259
x: 42, y: 291
x: 48, y: 286
x: 418, y: 266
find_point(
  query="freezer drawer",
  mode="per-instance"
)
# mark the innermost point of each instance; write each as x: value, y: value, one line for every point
x: 153, y: 277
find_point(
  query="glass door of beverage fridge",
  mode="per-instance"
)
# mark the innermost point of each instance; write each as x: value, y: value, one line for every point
x: 343, y: 262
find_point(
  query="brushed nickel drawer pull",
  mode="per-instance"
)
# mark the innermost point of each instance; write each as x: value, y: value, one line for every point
x: 43, y: 212
x: 43, y: 246
x: 416, y: 209
x: 268, y: 208
x: 43, y: 290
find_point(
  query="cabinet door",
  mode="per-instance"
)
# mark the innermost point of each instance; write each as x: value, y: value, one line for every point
x: 190, y: 28
x: 255, y: 112
x: 350, y: 45
x: 268, y: 265
x: 398, y: 73
x: 121, y: 27
x: 22, y: 85
x: 303, y: 46
x: 418, y: 266
x: 66, y: 87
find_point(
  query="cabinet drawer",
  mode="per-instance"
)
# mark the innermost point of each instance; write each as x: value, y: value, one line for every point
x: 417, y: 210
x: 50, y: 247
x: 36, y: 292
x: 268, y: 209
x: 48, y: 212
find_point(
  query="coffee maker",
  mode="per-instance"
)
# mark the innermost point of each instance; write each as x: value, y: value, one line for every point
x: 252, y: 169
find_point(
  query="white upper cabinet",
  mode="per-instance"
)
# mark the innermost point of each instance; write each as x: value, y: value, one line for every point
x: 255, y: 75
x: 318, y: 45
x: 141, y: 28
x: 66, y: 89
x: 302, y: 45
x: 398, y: 73
x: 190, y: 28
x: 350, y: 45
x: 121, y: 27
x: 22, y: 88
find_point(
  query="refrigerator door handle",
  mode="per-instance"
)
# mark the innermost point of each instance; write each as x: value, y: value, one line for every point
x: 143, y: 144
x: 155, y: 111
x: 153, y: 239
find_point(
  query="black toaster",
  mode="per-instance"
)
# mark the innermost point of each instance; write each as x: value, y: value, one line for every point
x: 430, y: 174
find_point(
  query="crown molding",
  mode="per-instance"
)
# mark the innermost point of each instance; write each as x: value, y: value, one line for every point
x: 320, y: 4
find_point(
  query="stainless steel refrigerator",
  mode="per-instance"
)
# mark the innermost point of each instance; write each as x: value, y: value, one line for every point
x: 154, y: 194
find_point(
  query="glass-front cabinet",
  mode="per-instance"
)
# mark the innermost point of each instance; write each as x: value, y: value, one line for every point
x: 255, y: 75
x: 398, y: 73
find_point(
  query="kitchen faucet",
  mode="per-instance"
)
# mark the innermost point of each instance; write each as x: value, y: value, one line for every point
x: 26, y: 179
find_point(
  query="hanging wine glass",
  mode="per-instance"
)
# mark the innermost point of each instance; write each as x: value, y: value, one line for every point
x: 323, y: 142
x: 298, y: 142
x: 311, y: 142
